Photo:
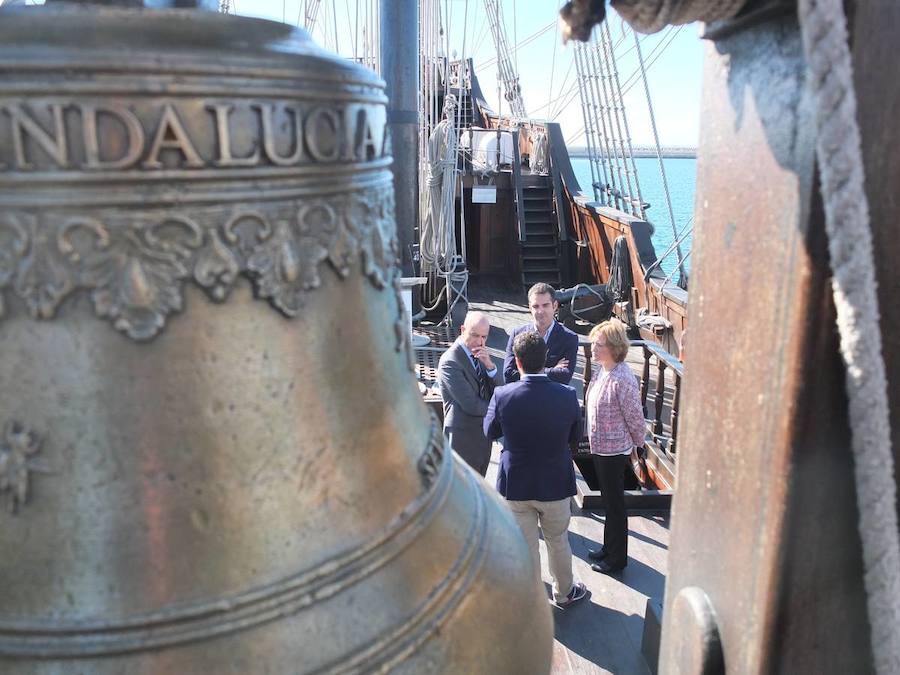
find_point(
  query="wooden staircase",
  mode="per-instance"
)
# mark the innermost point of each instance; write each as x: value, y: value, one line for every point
x: 539, y: 252
x: 467, y: 109
x: 466, y: 105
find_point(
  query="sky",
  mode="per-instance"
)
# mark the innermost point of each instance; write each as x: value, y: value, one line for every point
x: 546, y: 73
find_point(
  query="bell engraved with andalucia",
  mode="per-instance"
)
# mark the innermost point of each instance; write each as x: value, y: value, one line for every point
x: 213, y: 457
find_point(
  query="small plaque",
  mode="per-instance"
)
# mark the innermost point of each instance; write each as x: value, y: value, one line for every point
x: 484, y: 195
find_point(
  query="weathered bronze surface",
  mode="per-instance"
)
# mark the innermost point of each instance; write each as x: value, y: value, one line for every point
x: 214, y: 457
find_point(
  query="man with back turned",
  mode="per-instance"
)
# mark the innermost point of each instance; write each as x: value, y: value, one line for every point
x: 538, y: 419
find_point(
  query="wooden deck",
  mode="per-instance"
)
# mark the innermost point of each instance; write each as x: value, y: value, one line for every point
x: 602, y: 633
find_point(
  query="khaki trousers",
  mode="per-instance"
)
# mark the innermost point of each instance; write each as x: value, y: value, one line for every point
x: 553, y: 520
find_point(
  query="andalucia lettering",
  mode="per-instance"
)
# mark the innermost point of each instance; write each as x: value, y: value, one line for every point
x: 184, y: 135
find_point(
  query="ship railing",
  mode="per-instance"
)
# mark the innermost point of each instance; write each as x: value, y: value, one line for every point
x: 662, y: 419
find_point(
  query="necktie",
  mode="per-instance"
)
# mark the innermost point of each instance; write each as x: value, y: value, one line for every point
x: 481, y: 376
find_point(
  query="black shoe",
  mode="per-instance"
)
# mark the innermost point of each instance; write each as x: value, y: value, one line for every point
x: 597, y: 554
x: 605, y: 568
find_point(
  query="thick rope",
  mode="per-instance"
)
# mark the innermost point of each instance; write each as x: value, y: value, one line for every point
x: 824, y: 31
x: 651, y: 16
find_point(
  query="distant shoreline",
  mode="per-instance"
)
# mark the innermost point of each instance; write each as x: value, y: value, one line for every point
x: 645, y: 151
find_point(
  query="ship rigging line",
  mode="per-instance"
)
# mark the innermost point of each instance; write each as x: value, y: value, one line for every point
x: 525, y: 41
x: 652, y: 58
x: 553, y: 63
x: 682, y: 235
x: 682, y: 282
x: 337, y: 47
x: 573, y: 91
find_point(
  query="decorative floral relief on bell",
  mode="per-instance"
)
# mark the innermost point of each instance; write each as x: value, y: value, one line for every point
x: 244, y: 476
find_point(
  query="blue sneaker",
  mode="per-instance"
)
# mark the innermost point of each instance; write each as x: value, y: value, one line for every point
x: 578, y: 592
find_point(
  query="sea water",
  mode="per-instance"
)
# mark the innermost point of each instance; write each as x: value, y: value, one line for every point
x: 681, y: 176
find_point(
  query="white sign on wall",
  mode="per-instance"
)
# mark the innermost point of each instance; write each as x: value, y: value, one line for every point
x: 484, y: 195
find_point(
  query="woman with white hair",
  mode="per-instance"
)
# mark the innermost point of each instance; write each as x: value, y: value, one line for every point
x: 615, y: 421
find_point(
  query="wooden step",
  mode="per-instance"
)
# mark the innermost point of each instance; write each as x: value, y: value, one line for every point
x: 539, y: 228
x: 547, y: 238
x: 549, y: 268
x: 539, y: 250
x: 539, y: 214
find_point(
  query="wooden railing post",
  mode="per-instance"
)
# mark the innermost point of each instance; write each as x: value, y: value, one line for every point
x: 660, y: 393
x: 645, y: 378
x: 675, y: 402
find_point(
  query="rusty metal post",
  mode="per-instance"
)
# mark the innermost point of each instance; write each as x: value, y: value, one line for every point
x: 400, y: 69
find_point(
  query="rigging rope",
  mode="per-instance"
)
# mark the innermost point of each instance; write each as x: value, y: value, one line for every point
x: 588, y: 120
x: 337, y: 46
x: 662, y: 170
x: 658, y: 49
x: 635, y: 200
x: 552, y: 65
x: 631, y: 80
x: 824, y: 32
x: 525, y: 42
x: 685, y: 232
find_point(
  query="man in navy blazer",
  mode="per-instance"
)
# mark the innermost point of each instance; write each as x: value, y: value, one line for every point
x: 538, y: 419
x: 562, y: 344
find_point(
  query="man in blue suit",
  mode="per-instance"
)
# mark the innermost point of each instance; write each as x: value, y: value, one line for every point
x: 538, y: 419
x: 562, y: 344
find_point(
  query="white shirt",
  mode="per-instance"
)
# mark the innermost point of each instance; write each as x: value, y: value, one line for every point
x: 549, y: 330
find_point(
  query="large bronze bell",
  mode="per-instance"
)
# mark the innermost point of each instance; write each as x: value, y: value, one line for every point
x: 213, y: 457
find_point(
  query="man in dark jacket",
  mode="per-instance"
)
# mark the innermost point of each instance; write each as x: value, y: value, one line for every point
x: 538, y: 419
x: 562, y: 344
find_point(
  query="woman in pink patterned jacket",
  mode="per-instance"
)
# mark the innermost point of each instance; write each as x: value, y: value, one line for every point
x: 615, y: 421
